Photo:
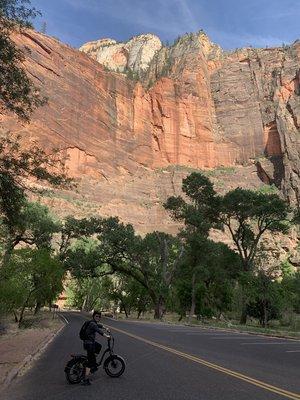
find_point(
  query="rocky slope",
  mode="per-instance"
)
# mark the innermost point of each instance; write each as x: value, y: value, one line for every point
x: 136, y: 117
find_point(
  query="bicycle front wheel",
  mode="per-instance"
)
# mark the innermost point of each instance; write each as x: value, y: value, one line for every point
x: 114, y: 366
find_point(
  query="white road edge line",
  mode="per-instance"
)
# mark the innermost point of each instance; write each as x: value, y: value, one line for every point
x: 64, y: 318
x: 268, y: 343
x: 292, y: 351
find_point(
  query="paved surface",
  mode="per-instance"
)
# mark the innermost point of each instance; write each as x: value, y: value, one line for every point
x: 156, y: 373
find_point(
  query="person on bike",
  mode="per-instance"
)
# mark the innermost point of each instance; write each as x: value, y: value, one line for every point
x: 91, y: 346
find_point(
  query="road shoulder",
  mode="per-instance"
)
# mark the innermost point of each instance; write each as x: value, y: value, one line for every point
x: 19, y: 348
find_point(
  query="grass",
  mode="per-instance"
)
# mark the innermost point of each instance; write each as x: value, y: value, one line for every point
x: 44, y: 319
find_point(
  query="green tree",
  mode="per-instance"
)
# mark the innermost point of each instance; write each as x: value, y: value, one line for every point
x: 291, y: 287
x: 32, y: 277
x: 73, y: 228
x: 34, y: 226
x: 150, y: 261
x: 88, y: 293
x: 200, y: 212
x: 126, y: 294
x: 209, y: 269
x: 248, y: 215
x: 17, y: 93
x: 17, y: 165
x: 266, y: 300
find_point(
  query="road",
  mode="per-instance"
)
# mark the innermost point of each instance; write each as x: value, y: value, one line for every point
x: 168, y: 362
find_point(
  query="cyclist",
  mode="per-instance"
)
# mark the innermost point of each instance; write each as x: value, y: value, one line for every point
x: 91, y: 346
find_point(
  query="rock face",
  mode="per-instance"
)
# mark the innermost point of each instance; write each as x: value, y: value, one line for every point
x: 135, y: 55
x: 188, y: 106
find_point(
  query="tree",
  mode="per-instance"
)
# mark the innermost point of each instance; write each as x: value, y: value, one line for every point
x: 33, y: 225
x: 89, y: 293
x: 200, y: 212
x: 17, y: 93
x: 32, y: 278
x: 248, y: 215
x: 150, y: 261
x: 159, y: 257
x: 208, y: 269
x: 291, y: 288
x: 126, y: 294
x: 17, y: 166
x: 73, y: 228
x: 266, y: 300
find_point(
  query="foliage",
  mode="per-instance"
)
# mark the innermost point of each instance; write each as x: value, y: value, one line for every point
x: 32, y: 277
x: 291, y: 288
x: 248, y: 215
x: 34, y: 226
x: 17, y: 165
x: 88, y: 294
x: 201, y: 211
x: 17, y: 93
x: 266, y: 301
x: 209, y: 270
x: 132, y: 75
x: 150, y: 261
x: 15, y: 12
x: 286, y: 268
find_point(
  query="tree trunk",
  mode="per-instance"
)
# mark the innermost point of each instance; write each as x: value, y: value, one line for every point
x: 159, y: 308
x: 243, y: 319
x: 7, y: 254
x: 84, y: 304
x: 180, y: 317
x: 265, y: 315
x: 24, y: 307
x: 124, y: 308
x: 16, y: 317
x: 37, y: 308
x: 193, y: 303
x: 22, y: 315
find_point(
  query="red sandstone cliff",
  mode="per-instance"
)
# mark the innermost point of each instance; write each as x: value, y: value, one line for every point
x: 130, y: 143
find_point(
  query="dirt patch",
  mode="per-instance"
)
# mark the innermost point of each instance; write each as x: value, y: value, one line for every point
x: 16, y: 345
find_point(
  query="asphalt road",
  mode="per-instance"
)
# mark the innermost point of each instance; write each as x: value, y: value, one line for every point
x: 169, y: 363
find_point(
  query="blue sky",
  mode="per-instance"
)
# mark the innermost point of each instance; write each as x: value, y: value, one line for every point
x: 230, y: 23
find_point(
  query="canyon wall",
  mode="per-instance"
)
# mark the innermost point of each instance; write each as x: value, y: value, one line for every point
x: 135, y: 118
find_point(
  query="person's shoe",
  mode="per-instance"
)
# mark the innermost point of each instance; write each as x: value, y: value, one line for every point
x: 85, y: 382
x: 93, y: 370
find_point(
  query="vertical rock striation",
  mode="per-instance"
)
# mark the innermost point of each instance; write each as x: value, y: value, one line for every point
x: 125, y: 113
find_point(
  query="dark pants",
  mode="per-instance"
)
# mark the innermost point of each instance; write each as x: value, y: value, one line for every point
x: 92, y: 349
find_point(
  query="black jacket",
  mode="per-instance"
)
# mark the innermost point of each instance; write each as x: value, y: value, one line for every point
x: 91, y: 331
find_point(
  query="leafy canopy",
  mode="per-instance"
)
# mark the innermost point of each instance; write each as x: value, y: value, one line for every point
x: 17, y: 93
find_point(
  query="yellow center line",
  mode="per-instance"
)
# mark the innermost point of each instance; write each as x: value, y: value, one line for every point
x: 219, y: 368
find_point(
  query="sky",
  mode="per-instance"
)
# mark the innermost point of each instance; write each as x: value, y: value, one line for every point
x: 229, y: 23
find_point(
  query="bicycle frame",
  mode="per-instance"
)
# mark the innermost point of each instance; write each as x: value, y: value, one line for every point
x: 110, y: 350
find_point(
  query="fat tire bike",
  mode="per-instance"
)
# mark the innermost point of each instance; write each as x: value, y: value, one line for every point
x: 113, y: 364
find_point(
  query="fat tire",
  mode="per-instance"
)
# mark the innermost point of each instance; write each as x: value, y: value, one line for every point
x: 106, y: 366
x: 71, y: 364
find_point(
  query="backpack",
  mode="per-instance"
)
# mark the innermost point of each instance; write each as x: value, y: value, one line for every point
x: 82, y: 332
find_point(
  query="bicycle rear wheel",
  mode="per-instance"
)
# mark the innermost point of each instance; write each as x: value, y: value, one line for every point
x: 74, y: 371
